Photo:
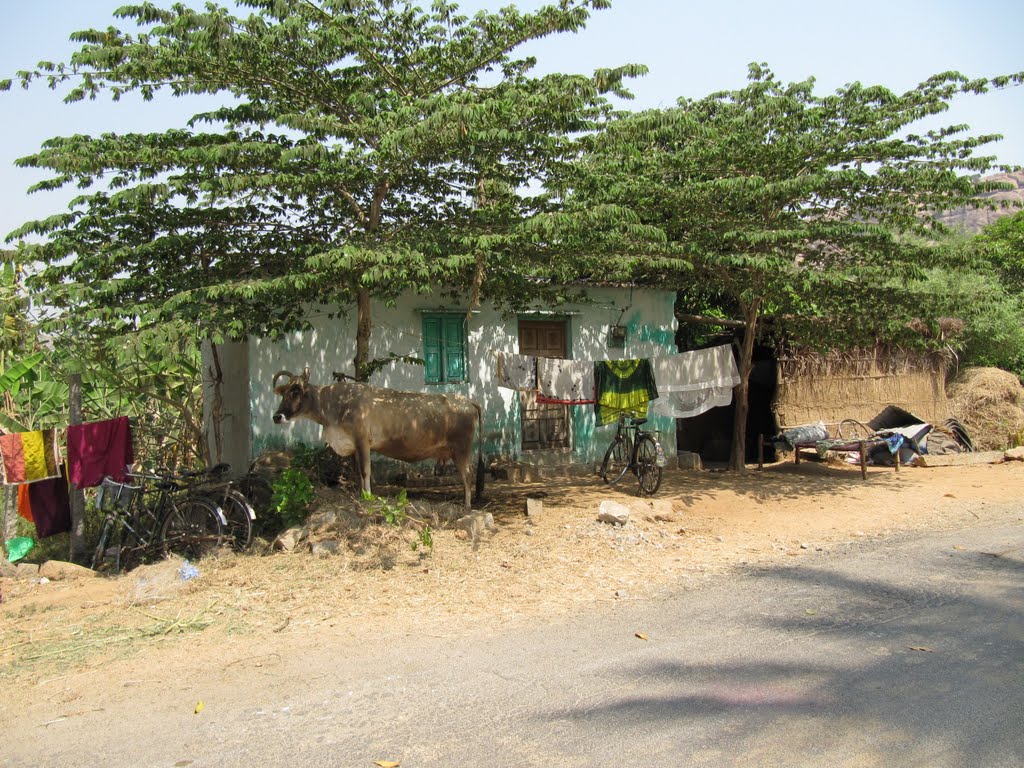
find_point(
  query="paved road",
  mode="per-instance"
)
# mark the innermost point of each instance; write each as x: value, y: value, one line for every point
x: 904, y: 652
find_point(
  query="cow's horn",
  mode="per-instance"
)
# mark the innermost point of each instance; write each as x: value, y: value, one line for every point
x: 279, y: 374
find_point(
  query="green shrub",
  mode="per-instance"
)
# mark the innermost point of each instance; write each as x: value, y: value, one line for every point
x: 293, y: 493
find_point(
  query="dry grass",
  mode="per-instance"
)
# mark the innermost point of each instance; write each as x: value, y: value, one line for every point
x: 988, y: 402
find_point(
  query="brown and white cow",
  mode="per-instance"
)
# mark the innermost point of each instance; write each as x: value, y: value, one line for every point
x: 410, y: 426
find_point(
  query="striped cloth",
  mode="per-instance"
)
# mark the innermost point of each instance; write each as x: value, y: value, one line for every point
x: 29, y: 456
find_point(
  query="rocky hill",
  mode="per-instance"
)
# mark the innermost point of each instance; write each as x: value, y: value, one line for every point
x: 973, y: 220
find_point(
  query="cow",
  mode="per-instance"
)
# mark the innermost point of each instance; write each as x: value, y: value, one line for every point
x: 410, y: 426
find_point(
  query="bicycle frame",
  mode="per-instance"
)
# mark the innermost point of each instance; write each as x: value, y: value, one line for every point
x: 634, y: 449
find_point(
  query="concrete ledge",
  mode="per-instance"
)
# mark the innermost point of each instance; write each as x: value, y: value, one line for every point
x: 962, y: 459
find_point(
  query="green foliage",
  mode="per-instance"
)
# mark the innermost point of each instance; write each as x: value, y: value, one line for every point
x: 293, y: 493
x: 790, y: 203
x: 361, y: 149
x: 1002, y: 243
x: 395, y: 512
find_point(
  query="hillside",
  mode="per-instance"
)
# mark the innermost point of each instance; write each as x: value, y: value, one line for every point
x: 973, y: 220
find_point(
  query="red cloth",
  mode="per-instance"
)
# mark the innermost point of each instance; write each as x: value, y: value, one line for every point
x: 49, y: 506
x: 98, y: 449
x: 24, y: 503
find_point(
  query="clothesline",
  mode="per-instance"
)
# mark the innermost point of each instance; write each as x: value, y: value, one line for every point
x: 33, y: 462
x: 680, y: 385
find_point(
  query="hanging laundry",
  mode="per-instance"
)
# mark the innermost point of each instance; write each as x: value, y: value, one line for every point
x: 623, y: 385
x: 691, y: 383
x: 569, y: 382
x: 24, y: 504
x: 518, y: 372
x: 97, y: 449
x: 47, y: 504
x: 29, y: 456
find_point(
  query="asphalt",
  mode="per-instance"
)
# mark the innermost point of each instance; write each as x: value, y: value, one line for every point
x: 896, y: 652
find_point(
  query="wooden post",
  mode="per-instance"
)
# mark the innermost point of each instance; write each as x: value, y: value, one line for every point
x: 863, y: 460
x: 77, y: 495
x: 760, y: 451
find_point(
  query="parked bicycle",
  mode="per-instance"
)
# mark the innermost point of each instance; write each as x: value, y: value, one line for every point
x: 239, y: 515
x: 153, y: 516
x: 636, y: 449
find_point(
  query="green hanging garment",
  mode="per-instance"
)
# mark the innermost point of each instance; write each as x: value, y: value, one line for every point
x: 623, y: 385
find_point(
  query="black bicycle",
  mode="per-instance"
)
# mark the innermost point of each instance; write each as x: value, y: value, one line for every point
x: 154, y: 516
x: 239, y: 515
x: 637, y: 449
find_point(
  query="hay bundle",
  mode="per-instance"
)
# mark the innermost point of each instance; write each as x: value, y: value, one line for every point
x: 988, y: 402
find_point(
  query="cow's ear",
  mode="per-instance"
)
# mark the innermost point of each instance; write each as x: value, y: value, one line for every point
x: 305, y: 374
x: 280, y: 390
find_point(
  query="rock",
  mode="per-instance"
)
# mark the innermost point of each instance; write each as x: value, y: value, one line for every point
x: 58, y: 570
x: 1014, y: 454
x: 325, y: 548
x: 475, y: 524
x: 26, y: 571
x: 8, y: 569
x: 613, y: 512
x: 534, y: 508
x: 288, y: 540
x: 688, y: 460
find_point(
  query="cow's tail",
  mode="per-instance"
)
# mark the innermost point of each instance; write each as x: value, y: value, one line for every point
x: 480, y: 469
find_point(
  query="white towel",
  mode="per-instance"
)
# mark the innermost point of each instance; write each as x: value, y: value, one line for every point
x: 565, y: 381
x: 518, y: 372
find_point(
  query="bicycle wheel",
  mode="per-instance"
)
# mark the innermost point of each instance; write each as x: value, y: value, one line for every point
x: 648, y: 473
x: 616, y: 461
x: 193, y: 527
x: 100, y: 553
x: 259, y: 492
x: 239, y: 515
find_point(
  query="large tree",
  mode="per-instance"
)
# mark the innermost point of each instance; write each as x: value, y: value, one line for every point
x: 785, y: 200
x: 362, y: 148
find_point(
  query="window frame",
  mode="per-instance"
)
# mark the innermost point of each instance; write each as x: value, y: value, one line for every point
x: 443, y: 332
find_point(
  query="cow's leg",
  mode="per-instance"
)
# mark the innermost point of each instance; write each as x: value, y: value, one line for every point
x: 362, y: 455
x: 465, y: 467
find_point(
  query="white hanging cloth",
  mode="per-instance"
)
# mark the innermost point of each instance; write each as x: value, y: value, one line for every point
x: 691, y: 383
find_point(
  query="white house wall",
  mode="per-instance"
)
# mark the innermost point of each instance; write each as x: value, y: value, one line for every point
x: 330, y: 346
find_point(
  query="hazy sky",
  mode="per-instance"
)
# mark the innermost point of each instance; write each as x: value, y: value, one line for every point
x: 691, y: 48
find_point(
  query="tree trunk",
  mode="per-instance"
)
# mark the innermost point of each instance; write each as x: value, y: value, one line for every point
x: 363, y: 326
x: 737, y: 460
x: 216, y: 410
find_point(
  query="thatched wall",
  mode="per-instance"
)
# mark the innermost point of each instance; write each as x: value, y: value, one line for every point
x: 814, y: 388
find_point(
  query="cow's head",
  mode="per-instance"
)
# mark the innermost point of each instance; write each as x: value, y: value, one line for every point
x: 295, y: 395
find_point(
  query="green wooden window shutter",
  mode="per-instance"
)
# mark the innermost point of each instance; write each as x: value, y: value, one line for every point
x: 454, y: 349
x: 432, y: 348
x: 444, y: 348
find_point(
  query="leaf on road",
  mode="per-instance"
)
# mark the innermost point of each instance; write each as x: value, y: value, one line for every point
x: 199, y: 708
x: 386, y: 763
x: 641, y: 635
x: 810, y: 611
x: 924, y: 648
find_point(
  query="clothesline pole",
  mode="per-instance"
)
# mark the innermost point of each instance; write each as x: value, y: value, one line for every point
x: 76, y: 495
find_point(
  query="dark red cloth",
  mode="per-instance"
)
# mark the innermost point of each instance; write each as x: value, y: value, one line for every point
x: 98, y: 449
x: 51, y: 506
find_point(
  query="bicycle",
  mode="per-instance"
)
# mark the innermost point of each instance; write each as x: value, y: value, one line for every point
x: 634, y: 448
x: 239, y: 514
x: 170, y: 521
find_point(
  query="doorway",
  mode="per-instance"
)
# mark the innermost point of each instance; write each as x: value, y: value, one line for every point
x: 544, y: 425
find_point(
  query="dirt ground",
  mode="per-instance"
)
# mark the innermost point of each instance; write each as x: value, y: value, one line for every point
x: 249, y: 611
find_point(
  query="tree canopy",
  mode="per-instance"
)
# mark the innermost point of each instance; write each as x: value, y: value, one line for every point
x: 363, y: 148
x: 786, y: 200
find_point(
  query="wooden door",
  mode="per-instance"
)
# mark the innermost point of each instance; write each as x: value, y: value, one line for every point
x: 544, y: 425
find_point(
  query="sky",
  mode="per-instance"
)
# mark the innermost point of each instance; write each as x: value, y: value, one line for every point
x: 691, y: 48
